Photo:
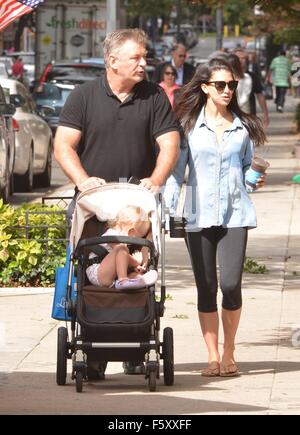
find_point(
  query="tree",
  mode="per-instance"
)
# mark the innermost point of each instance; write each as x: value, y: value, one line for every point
x: 281, y: 17
x: 237, y: 12
x: 148, y: 8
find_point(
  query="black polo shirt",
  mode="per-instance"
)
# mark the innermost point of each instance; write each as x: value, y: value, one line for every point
x: 118, y: 139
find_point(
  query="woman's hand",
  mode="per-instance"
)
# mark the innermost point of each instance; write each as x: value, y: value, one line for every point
x: 261, y: 181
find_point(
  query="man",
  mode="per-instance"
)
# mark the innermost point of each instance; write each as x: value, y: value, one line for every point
x: 253, y: 65
x: 185, y: 70
x: 118, y: 125
x: 257, y: 88
x: 280, y: 69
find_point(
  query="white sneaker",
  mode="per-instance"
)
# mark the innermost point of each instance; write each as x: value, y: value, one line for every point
x: 146, y: 280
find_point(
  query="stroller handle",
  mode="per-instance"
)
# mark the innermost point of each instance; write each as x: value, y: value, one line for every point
x: 117, y: 239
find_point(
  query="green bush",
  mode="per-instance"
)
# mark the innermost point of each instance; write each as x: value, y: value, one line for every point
x: 251, y: 266
x: 26, y: 258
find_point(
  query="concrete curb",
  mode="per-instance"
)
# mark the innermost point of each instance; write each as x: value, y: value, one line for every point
x: 23, y: 291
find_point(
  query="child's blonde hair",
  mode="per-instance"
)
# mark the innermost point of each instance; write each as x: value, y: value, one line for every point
x: 130, y: 215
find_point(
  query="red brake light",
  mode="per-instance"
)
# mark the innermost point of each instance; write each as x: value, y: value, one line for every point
x: 45, y: 73
x: 15, y: 123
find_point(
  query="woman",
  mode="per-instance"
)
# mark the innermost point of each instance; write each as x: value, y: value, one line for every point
x: 168, y: 84
x: 219, y: 146
x: 245, y: 85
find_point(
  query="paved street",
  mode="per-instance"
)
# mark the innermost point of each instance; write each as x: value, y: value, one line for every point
x: 268, y: 343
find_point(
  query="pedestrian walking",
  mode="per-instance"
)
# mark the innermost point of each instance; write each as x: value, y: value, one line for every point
x: 257, y: 87
x: 219, y: 147
x: 245, y: 84
x: 253, y: 64
x: 119, y: 125
x: 168, y: 83
x: 279, y: 75
x: 18, y: 69
x: 184, y: 70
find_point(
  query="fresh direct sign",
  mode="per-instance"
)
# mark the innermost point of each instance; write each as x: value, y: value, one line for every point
x: 75, y: 24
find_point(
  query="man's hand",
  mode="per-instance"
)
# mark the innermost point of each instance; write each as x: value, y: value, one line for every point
x: 149, y: 184
x: 90, y: 182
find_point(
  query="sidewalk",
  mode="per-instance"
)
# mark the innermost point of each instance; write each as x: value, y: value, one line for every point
x: 268, y: 342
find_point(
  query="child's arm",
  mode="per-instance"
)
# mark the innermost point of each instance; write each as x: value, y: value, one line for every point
x: 145, y: 252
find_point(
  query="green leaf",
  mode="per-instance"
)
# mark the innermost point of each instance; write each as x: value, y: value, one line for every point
x: 32, y: 260
x: 4, y: 255
x: 21, y: 255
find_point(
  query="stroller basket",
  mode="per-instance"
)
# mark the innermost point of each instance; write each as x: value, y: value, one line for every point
x: 113, y: 306
x: 114, y: 315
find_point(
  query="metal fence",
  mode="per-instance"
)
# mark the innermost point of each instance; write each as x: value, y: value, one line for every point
x: 61, y: 201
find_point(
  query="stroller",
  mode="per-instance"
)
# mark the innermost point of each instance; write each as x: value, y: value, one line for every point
x: 109, y: 324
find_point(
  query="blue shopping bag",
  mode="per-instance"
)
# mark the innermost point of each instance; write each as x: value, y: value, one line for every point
x: 59, y: 309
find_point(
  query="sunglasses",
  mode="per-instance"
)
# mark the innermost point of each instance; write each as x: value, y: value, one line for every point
x: 220, y: 85
x: 169, y: 73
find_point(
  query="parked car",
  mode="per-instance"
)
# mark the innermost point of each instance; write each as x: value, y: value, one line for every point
x: 7, y: 146
x: 33, y: 140
x: 50, y: 99
x: 3, y: 70
x: 8, y: 61
x: 72, y: 73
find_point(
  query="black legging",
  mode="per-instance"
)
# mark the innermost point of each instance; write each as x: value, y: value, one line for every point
x: 230, y: 243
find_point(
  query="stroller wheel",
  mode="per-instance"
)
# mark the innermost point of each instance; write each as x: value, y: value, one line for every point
x: 62, y: 352
x: 152, y: 381
x: 168, y: 356
x: 79, y: 381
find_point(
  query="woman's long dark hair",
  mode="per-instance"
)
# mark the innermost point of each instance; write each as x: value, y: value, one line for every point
x: 192, y: 99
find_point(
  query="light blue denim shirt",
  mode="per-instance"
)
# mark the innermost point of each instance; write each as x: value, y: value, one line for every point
x: 216, y: 194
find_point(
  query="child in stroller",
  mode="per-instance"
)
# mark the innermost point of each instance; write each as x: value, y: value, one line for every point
x: 117, y: 261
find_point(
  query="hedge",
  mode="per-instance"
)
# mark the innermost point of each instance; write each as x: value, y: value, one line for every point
x: 33, y: 240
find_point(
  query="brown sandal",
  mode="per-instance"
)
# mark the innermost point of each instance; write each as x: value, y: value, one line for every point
x: 212, y: 370
x: 229, y: 370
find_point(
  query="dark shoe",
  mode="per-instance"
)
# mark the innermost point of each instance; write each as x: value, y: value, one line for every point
x: 134, y: 368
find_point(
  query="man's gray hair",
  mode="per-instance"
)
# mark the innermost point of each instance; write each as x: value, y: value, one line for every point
x: 114, y: 40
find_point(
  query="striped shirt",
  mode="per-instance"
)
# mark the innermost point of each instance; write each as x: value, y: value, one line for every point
x: 281, y: 68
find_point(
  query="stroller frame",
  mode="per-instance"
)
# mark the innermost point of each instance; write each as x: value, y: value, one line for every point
x: 136, y: 341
